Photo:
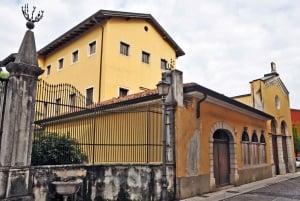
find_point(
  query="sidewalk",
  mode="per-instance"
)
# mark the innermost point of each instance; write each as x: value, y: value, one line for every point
x: 234, y: 191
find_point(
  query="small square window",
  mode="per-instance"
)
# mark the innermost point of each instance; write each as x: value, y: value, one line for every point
x: 123, y: 92
x: 124, y: 49
x: 60, y: 64
x: 145, y: 57
x: 89, y: 96
x: 92, y: 48
x: 163, y: 64
x: 48, y: 70
x: 75, y: 56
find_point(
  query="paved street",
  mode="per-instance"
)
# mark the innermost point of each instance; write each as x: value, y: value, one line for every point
x: 284, y: 191
x: 280, y: 188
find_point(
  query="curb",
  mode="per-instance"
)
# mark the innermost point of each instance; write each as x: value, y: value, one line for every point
x: 245, y: 188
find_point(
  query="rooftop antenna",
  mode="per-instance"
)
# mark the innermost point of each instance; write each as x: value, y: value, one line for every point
x: 31, y: 19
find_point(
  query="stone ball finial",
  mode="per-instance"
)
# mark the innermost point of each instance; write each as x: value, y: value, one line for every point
x: 31, y: 19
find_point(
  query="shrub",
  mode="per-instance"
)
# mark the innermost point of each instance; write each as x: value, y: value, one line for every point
x: 54, y: 149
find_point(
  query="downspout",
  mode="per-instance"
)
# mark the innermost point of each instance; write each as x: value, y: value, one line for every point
x: 101, y: 64
x: 198, y: 106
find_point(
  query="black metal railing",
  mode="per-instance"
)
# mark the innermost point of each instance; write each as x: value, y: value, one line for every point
x: 96, y: 134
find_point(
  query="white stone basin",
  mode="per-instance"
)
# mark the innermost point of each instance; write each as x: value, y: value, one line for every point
x: 67, y: 187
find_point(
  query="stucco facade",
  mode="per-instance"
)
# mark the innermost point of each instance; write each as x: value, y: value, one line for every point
x: 110, y: 53
x: 270, y: 95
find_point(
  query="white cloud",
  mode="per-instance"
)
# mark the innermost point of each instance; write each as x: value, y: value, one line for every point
x: 227, y: 43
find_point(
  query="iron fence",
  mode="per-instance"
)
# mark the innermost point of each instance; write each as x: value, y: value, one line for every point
x: 111, y: 133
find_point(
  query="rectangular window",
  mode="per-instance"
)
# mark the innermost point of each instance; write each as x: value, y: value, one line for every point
x: 89, y: 96
x: 92, y: 48
x: 123, y: 92
x: 48, y: 70
x: 60, y: 63
x: 145, y: 57
x: 124, y: 49
x: 57, y: 106
x: 163, y: 64
x: 75, y: 56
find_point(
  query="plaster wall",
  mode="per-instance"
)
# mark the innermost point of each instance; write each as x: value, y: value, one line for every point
x: 103, y: 182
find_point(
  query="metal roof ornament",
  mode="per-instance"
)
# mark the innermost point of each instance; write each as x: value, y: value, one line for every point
x: 31, y: 19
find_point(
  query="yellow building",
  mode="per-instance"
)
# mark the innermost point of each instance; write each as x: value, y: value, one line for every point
x: 110, y: 54
x: 270, y: 95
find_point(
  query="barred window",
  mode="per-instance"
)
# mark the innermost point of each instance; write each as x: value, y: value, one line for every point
x: 145, y: 57
x: 123, y: 92
x: 75, y: 56
x: 60, y: 63
x: 124, y: 49
x: 89, y: 96
x: 245, y: 148
x: 92, y: 48
x: 262, y: 148
x: 255, y: 148
x: 163, y: 64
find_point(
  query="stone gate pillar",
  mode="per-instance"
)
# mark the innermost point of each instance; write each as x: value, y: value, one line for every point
x: 16, y: 142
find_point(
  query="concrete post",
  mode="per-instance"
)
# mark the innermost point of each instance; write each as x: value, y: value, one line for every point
x: 271, y: 155
x: 291, y: 159
x: 16, y: 144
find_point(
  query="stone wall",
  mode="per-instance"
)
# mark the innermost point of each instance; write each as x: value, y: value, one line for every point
x: 103, y: 182
x: 253, y: 174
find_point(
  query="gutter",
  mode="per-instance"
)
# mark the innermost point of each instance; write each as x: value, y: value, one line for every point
x: 101, y: 64
x: 198, y: 105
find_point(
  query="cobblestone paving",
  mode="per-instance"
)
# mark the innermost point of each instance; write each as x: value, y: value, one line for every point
x: 288, y: 190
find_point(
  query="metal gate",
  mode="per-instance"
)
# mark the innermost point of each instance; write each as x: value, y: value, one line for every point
x: 105, y: 133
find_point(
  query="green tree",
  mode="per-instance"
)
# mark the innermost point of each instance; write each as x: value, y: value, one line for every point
x: 54, y: 149
x: 296, y: 136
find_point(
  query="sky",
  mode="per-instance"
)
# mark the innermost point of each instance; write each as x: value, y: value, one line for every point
x: 227, y: 44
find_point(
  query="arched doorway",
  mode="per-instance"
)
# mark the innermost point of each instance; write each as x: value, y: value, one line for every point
x: 221, y: 158
x: 274, y: 145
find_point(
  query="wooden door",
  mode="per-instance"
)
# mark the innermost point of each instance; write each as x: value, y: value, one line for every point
x: 221, y: 159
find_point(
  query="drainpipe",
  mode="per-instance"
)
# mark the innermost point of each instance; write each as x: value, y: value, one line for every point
x: 198, y: 106
x: 101, y: 63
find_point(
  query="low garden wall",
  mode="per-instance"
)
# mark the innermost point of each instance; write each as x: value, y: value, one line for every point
x: 102, y: 182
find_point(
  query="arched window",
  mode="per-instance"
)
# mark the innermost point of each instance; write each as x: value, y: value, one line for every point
x: 254, y: 137
x: 273, y: 126
x: 262, y: 139
x: 245, y: 137
x: 245, y: 147
x: 277, y: 102
x: 255, y: 148
x: 262, y: 148
x: 283, y: 127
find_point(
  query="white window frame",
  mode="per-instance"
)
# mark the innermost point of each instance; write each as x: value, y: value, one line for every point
x: 122, y: 43
x: 58, y: 64
x: 93, y: 95
x: 89, y: 48
x: 72, y: 56
x: 125, y: 88
x: 48, y: 70
x: 148, y: 57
